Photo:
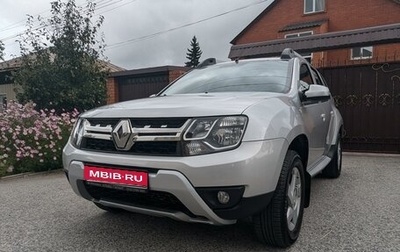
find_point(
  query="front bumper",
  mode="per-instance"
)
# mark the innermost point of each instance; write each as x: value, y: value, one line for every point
x: 254, y: 166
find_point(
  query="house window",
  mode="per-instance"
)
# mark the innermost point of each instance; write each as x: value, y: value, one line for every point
x: 358, y: 53
x: 311, y: 6
x: 300, y: 34
x: 307, y: 56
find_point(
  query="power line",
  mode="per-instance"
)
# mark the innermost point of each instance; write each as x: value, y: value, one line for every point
x: 21, y: 23
x: 129, y: 41
x: 117, y: 7
x: 107, y: 3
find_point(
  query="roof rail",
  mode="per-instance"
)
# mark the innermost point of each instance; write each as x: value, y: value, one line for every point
x: 207, y: 62
x: 289, y: 53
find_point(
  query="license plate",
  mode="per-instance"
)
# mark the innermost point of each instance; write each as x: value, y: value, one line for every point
x: 130, y: 178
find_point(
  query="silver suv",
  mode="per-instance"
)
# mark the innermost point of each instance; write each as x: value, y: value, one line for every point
x: 224, y: 142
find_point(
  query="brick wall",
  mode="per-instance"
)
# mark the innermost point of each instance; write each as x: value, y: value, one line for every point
x: 341, y: 15
x: 174, y: 74
x: 342, y: 57
x: 112, y: 90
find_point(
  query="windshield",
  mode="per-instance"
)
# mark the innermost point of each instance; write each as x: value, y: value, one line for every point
x: 250, y: 76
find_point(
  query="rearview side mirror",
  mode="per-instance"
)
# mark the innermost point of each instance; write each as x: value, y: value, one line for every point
x: 317, y: 91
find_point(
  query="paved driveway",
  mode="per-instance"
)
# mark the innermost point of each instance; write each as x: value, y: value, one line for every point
x: 360, y: 211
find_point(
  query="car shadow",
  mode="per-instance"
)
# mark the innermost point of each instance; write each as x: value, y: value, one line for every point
x: 129, y: 231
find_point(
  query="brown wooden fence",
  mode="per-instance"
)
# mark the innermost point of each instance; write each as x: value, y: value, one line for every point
x: 368, y: 98
x: 135, y: 87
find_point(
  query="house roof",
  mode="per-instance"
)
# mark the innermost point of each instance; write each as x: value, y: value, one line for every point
x: 111, y: 67
x: 10, y: 64
x: 149, y: 70
x: 16, y: 63
x: 254, y: 21
x: 326, y: 41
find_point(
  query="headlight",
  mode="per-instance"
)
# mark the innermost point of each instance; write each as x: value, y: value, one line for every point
x: 213, y: 134
x: 77, y: 133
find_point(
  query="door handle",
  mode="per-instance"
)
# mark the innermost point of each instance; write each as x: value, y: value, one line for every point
x: 323, y: 116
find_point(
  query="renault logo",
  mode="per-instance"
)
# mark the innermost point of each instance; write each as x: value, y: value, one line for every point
x: 123, y: 135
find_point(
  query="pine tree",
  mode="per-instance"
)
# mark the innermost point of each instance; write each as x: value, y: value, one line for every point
x: 194, y: 53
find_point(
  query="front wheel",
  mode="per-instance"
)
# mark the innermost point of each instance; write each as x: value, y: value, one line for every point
x: 280, y: 223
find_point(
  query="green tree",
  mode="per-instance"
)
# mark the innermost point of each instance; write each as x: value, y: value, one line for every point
x: 1, y: 50
x: 61, y: 67
x: 193, y: 53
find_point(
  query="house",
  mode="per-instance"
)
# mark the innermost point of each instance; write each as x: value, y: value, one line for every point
x: 355, y: 44
x: 6, y: 82
x: 8, y: 67
x: 355, y: 32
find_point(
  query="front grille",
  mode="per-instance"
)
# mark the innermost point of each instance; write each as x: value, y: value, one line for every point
x: 98, y: 145
x: 167, y: 123
x: 103, y: 122
x: 139, y: 148
x: 149, y: 136
x: 149, y: 199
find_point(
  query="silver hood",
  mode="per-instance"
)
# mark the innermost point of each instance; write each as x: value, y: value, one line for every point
x: 188, y: 105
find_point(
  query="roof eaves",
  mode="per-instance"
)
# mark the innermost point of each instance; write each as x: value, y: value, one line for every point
x: 320, y: 42
x: 150, y: 70
x: 303, y: 25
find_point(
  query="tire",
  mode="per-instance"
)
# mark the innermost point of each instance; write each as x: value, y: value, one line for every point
x: 334, y: 168
x: 108, y: 209
x: 273, y: 225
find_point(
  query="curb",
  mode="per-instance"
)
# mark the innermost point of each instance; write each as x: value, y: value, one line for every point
x: 29, y: 174
x: 367, y: 154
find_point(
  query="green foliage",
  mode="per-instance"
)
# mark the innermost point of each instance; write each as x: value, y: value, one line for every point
x: 194, y: 53
x: 60, y: 60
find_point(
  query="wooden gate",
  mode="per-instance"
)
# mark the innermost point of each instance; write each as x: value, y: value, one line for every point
x: 135, y: 87
x: 368, y: 98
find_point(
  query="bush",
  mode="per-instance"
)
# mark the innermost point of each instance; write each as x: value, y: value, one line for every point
x: 32, y: 140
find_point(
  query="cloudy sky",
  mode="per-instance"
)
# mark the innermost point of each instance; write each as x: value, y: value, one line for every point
x: 148, y: 33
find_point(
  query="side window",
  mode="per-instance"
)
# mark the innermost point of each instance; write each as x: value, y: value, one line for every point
x: 305, y: 74
x: 316, y: 77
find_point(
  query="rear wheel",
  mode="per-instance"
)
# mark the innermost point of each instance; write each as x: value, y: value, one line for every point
x: 334, y: 168
x: 280, y: 223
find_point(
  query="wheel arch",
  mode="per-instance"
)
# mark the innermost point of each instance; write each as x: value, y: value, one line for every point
x: 300, y: 145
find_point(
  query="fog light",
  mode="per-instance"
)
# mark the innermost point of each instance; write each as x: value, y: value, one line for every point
x: 223, y: 197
